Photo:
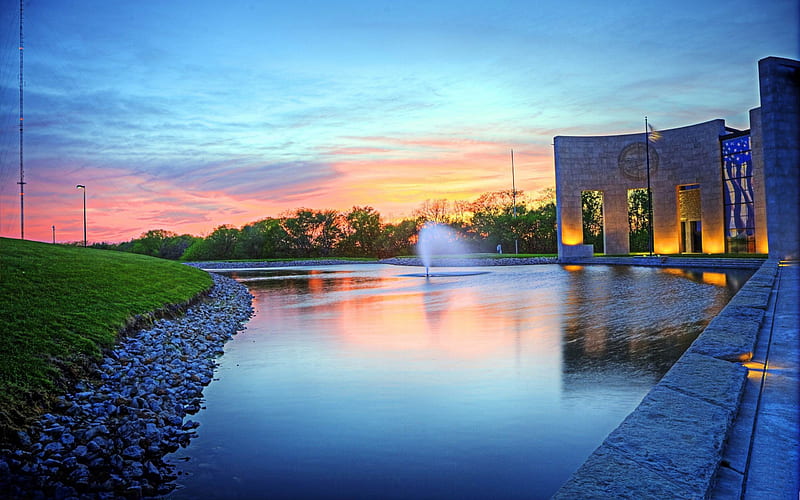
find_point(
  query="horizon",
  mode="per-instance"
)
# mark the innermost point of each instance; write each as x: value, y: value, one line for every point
x: 188, y: 116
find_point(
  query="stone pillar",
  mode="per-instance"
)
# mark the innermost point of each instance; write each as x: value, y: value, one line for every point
x: 569, y: 217
x: 779, y: 82
x: 759, y: 190
x: 615, y: 221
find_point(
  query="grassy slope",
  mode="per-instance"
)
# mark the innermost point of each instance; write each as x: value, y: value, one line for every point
x: 61, y: 305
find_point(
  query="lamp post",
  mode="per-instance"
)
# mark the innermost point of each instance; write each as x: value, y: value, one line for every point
x: 83, y: 188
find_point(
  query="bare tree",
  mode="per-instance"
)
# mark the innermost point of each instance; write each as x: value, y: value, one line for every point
x: 434, y: 211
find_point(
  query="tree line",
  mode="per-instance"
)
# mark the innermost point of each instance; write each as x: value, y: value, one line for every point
x: 492, y: 219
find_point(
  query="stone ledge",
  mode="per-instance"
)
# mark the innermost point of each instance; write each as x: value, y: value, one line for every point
x: 709, y: 379
x: 609, y: 473
x: 731, y: 335
x: 668, y: 261
x: 674, y: 440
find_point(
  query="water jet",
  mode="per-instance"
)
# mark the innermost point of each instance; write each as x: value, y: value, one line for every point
x: 438, y: 240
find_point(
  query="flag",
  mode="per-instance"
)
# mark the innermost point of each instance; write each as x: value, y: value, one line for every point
x: 653, y: 135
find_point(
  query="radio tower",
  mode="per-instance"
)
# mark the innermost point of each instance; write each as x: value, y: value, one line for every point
x: 21, y: 169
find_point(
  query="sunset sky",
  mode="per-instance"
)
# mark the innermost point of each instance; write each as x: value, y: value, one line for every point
x: 186, y: 115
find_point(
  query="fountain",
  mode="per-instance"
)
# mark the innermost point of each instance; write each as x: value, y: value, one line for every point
x: 438, y: 240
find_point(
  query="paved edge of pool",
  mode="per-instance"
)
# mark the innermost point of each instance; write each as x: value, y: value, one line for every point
x: 672, y: 444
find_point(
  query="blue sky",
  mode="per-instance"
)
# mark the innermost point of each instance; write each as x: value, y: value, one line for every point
x: 186, y: 115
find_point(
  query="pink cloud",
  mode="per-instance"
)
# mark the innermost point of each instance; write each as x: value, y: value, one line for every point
x: 393, y: 175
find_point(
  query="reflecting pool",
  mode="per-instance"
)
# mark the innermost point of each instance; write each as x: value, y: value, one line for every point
x: 359, y: 382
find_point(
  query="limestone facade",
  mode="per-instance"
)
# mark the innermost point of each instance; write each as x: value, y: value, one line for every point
x: 686, y: 156
x: 690, y: 159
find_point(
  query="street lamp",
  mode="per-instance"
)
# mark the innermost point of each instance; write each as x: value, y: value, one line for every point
x: 83, y: 188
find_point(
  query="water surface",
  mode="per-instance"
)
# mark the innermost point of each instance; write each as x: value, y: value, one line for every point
x: 358, y: 382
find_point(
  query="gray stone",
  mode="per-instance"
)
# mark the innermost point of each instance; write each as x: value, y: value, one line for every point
x: 67, y: 439
x: 707, y: 378
x: 133, y: 470
x: 80, y: 475
x: 80, y: 451
x: 728, y: 336
x: 133, y: 452
x: 53, y: 447
x: 608, y: 473
x: 756, y: 297
x: 677, y: 436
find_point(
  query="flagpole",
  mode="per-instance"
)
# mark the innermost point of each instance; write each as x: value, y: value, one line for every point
x: 514, y: 196
x: 649, y: 192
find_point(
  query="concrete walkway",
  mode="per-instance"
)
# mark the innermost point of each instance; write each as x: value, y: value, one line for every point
x: 761, y: 457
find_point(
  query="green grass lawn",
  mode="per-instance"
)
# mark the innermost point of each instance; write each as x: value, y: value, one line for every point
x: 60, y: 306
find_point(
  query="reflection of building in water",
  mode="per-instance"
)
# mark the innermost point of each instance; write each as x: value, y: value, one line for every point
x: 714, y: 189
x: 613, y: 328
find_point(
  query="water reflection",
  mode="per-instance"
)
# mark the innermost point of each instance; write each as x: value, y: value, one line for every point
x: 624, y: 323
x: 357, y: 382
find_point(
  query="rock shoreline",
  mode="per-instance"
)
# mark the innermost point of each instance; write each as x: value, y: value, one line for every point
x: 468, y: 262
x: 212, y: 265
x: 109, y: 439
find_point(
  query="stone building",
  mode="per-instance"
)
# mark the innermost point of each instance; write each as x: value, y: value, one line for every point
x: 714, y: 189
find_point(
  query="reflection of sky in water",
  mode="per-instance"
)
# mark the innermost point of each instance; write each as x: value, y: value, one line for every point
x: 357, y: 382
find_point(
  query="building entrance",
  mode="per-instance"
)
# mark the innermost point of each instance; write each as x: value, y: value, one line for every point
x: 690, y: 218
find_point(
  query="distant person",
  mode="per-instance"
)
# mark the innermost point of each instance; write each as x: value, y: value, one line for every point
x: 499, y: 248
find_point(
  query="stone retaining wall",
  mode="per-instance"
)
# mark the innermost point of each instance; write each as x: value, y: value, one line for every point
x: 671, y: 445
x: 667, y: 261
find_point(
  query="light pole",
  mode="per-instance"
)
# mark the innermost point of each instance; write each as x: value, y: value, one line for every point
x: 83, y: 188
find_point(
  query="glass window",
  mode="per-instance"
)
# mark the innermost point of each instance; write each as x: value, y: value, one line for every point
x: 737, y: 191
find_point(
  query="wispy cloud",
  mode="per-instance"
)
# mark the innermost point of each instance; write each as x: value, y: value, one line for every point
x: 186, y: 122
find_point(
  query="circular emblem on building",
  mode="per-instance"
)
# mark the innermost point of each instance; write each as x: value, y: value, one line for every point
x: 632, y: 161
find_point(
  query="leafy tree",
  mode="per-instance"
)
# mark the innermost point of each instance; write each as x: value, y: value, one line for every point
x: 329, y: 232
x: 312, y: 233
x: 592, y: 208
x: 492, y: 220
x: 262, y: 240
x: 220, y: 244
x: 276, y: 244
x: 537, y: 229
x: 399, y: 238
x: 638, y: 220
x: 362, y: 233
x: 159, y: 243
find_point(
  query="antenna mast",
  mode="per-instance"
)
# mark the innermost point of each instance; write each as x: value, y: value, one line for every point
x: 21, y: 169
